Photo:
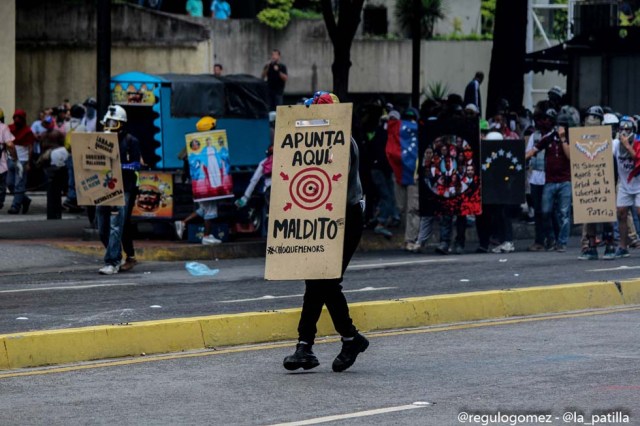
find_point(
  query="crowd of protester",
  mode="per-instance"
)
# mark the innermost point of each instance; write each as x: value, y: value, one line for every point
x: 393, y: 200
x: 37, y: 155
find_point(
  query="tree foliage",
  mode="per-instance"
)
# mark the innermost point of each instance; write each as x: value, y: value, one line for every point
x: 432, y: 11
x: 277, y: 15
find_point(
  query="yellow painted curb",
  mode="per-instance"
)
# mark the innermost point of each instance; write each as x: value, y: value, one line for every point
x: 84, y: 344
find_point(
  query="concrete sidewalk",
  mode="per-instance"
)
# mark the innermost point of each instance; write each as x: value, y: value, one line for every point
x: 71, y: 232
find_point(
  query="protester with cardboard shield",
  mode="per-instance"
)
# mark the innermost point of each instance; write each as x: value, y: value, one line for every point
x: 114, y: 222
x: 320, y: 292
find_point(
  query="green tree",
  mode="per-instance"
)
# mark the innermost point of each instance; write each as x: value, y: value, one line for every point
x: 277, y: 15
x: 432, y: 11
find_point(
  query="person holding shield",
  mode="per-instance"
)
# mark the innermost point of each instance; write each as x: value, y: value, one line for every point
x: 329, y: 291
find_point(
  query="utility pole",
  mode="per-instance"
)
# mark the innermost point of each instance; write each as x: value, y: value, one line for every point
x: 415, y: 53
x: 104, y: 57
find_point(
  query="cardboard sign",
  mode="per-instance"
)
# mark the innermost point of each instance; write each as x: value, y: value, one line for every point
x: 449, y: 178
x: 155, y: 196
x: 592, y: 180
x: 97, y: 170
x: 308, y: 192
x: 208, y: 156
x: 502, y: 173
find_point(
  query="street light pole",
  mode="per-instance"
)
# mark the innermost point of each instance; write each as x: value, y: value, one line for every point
x: 103, y: 57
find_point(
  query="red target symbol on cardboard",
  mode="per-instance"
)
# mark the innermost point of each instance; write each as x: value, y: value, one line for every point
x: 310, y: 188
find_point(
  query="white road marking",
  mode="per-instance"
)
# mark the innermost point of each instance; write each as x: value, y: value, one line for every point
x: 357, y: 414
x: 408, y: 262
x: 619, y: 268
x: 287, y: 296
x: 70, y: 286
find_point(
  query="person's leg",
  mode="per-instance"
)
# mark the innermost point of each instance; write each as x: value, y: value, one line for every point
x: 128, y: 229
x: 335, y: 300
x: 564, y: 210
x: 622, y: 224
x: 536, y: 202
x: 413, y: 214
x: 385, y: 210
x: 446, y: 229
x: 426, y: 230
x: 3, y: 188
x: 548, y: 212
x: 72, y: 198
x: 110, y: 221
x: 19, y: 188
x: 483, y: 229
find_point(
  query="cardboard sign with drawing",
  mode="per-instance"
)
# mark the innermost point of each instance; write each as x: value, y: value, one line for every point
x: 97, y: 169
x: 309, y: 192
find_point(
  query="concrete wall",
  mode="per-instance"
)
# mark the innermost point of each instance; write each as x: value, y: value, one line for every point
x: 8, y: 55
x: 379, y: 66
x: 56, y: 62
x: 52, y: 74
x: 466, y: 11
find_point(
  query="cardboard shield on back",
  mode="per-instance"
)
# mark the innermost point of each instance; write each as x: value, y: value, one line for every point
x: 308, y: 192
x: 502, y: 172
x: 592, y: 181
x: 97, y: 169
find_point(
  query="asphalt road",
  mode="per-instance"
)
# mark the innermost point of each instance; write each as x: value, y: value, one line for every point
x: 46, y: 288
x: 581, y: 364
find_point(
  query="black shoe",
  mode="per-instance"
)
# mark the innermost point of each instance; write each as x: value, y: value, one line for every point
x: 303, y: 358
x: 25, y: 206
x: 13, y: 210
x: 349, y: 352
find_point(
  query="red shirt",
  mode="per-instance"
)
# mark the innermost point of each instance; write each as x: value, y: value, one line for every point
x: 557, y: 166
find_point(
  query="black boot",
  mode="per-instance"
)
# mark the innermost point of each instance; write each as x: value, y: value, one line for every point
x: 349, y: 352
x: 303, y: 358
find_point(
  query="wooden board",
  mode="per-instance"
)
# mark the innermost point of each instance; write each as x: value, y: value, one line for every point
x: 308, y: 192
x: 97, y: 169
x: 592, y: 175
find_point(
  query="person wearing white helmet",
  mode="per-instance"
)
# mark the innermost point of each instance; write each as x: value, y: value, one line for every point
x: 114, y: 223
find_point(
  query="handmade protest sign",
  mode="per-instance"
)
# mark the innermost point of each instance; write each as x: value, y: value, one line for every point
x: 308, y: 192
x: 592, y: 181
x: 155, y: 195
x: 502, y: 172
x: 449, y: 178
x: 208, y: 157
x: 97, y: 170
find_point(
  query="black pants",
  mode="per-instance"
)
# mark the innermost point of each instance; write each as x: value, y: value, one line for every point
x: 56, y: 180
x: 128, y: 229
x: 329, y: 292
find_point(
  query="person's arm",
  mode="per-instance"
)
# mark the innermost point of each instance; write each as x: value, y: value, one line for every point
x: 282, y: 72
x: 624, y: 140
x: 564, y: 141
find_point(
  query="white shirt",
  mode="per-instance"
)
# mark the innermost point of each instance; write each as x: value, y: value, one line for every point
x: 536, y: 177
x: 626, y: 164
x: 5, y: 136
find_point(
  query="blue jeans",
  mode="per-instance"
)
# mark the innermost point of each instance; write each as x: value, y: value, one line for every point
x: 556, y: 200
x: 17, y: 184
x: 387, y: 209
x: 111, y: 222
x: 71, y: 190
